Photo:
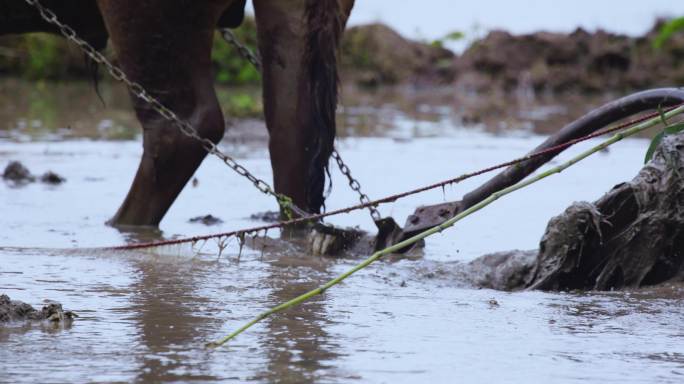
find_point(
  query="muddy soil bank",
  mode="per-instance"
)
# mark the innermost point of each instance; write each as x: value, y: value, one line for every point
x: 631, y: 237
x: 375, y: 54
x: 537, y: 81
x: 577, y: 62
x: 541, y: 62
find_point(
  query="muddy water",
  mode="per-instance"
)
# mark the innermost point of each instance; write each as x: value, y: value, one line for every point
x: 145, y: 316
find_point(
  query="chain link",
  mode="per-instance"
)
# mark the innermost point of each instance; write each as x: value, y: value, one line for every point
x: 356, y: 186
x: 140, y: 92
x: 252, y: 57
x: 244, y: 50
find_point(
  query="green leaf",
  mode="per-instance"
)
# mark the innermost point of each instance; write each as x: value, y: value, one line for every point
x: 674, y: 129
x: 669, y: 29
x: 654, y: 144
x: 668, y: 130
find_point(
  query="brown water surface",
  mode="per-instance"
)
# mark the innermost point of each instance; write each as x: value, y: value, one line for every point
x: 145, y: 316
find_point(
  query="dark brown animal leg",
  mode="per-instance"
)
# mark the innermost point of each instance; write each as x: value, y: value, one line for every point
x: 298, y: 43
x: 165, y: 46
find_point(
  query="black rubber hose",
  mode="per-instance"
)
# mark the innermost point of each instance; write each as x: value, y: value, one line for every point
x: 591, y: 122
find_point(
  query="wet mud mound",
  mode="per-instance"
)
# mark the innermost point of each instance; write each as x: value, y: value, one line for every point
x: 541, y: 62
x: 17, y: 174
x: 504, y: 271
x: 375, y: 54
x: 631, y: 237
x: 503, y: 81
x: 17, y: 311
x: 582, y: 62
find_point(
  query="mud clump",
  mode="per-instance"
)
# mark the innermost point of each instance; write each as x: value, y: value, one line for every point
x: 375, y: 54
x: 582, y: 62
x: 524, y: 65
x: 206, y: 220
x: 267, y: 216
x: 13, y: 311
x: 50, y: 177
x: 504, y: 271
x: 631, y: 237
x: 17, y: 173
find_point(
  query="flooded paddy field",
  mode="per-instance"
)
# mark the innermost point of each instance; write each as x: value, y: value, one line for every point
x: 145, y: 316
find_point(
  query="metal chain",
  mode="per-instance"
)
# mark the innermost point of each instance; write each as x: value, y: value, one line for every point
x: 166, y: 113
x: 356, y: 186
x: 244, y: 50
x: 252, y: 57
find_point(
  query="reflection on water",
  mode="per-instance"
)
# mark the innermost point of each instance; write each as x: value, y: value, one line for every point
x: 145, y: 316
x: 54, y: 111
x: 40, y: 110
x: 165, y: 311
x: 297, y: 351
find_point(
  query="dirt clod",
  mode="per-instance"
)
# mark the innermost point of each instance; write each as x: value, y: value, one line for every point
x: 17, y: 173
x: 206, y: 220
x: 267, y: 217
x: 50, y: 177
x: 13, y: 310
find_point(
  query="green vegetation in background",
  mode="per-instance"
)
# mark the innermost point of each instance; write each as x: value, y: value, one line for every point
x: 40, y: 56
x: 446, y: 62
x: 46, y: 60
x: 230, y: 66
x: 668, y: 129
x: 453, y: 36
x: 355, y: 51
x: 241, y: 102
x: 667, y: 30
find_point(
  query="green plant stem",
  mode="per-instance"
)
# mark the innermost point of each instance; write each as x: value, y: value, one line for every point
x: 412, y: 240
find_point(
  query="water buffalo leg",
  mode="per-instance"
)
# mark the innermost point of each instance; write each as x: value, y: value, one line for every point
x: 298, y: 43
x: 165, y: 46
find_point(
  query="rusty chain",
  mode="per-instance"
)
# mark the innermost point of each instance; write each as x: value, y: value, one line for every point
x: 356, y: 186
x: 255, y: 60
x: 186, y: 128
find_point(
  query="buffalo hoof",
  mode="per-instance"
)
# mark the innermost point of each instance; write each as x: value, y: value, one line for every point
x: 328, y: 240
